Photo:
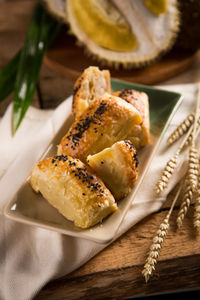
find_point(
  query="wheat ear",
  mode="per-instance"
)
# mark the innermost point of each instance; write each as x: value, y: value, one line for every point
x: 190, y: 137
x: 181, y: 129
x: 193, y: 153
x: 157, y: 242
x: 193, y: 165
x: 187, y: 198
x: 197, y: 207
x: 170, y: 167
x: 185, y: 125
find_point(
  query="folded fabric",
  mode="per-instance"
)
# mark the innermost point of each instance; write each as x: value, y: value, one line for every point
x: 31, y: 256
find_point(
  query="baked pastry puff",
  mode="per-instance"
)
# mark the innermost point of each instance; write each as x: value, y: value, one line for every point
x: 73, y: 189
x: 91, y: 85
x: 117, y: 166
x: 140, y: 135
x: 106, y: 121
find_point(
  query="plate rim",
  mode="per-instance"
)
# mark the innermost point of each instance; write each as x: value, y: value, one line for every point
x: 31, y: 222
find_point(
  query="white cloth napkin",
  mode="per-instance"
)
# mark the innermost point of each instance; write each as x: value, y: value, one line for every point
x: 31, y: 256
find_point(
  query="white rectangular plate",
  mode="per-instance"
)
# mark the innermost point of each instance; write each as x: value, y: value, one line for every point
x: 31, y: 208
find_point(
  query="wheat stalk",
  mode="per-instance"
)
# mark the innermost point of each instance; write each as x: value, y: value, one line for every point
x: 190, y: 137
x: 197, y: 207
x: 157, y: 242
x: 193, y: 167
x: 170, y: 167
x: 167, y: 173
x: 181, y: 129
x: 196, y: 220
x: 187, y: 198
x: 193, y: 157
x: 191, y: 184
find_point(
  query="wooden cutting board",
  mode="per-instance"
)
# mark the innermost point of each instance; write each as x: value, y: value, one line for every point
x: 69, y: 60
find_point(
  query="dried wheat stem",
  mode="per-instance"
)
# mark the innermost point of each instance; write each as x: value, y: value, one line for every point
x: 170, y: 167
x: 193, y: 167
x: 181, y: 129
x: 190, y: 137
x: 155, y: 248
x: 196, y: 219
x: 197, y: 208
x: 187, y: 198
x: 196, y: 116
x: 167, y: 173
x: 157, y: 242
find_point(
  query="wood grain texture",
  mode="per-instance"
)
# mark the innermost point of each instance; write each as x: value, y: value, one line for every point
x: 69, y: 60
x: 126, y: 282
x: 116, y: 271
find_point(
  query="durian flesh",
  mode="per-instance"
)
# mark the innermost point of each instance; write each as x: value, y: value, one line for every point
x: 157, y: 7
x: 103, y: 24
x: 145, y: 36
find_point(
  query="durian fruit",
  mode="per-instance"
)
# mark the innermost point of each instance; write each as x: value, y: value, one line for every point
x: 129, y: 33
x: 57, y: 8
x: 156, y: 7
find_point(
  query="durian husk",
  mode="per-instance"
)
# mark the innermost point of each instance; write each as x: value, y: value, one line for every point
x: 151, y: 50
x: 57, y: 8
x: 133, y: 58
x: 102, y: 23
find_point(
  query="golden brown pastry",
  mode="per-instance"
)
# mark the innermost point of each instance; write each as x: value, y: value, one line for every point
x: 117, y: 166
x: 106, y: 121
x: 140, y: 135
x: 91, y: 85
x: 73, y: 189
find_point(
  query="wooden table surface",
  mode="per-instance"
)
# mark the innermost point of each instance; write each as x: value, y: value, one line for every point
x: 115, y: 273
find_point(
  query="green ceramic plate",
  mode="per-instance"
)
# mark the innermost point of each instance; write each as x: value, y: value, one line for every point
x: 31, y: 208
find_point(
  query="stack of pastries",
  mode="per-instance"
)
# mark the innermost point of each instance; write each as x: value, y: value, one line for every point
x: 96, y: 163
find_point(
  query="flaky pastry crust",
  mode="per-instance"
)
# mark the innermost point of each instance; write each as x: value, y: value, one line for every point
x: 140, y: 135
x: 73, y: 189
x: 106, y: 121
x: 91, y: 85
x: 117, y: 166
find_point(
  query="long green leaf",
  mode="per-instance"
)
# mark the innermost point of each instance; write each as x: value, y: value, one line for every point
x: 41, y: 33
x: 8, y: 76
